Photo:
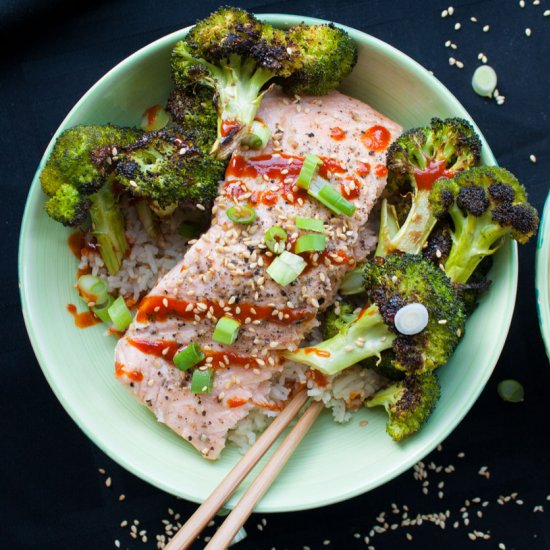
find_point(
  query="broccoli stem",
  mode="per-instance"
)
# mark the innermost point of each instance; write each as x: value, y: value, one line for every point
x: 414, y: 232
x: 365, y: 337
x: 389, y: 227
x: 108, y: 228
x: 473, y: 238
x: 147, y: 218
x: 239, y: 96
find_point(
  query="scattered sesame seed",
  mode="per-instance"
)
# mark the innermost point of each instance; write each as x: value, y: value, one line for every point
x: 527, y: 32
x: 457, y: 26
x: 444, y: 13
x: 117, y: 543
x: 486, y: 28
x: 473, y: 19
x: 451, y: 10
x: 101, y: 471
x: 108, y: 482
x: 546, y: 13
x: 122, y: 497
x: 521, y: 3
x: 532, y: 158
x: 448, y: 43
x: 452, y: 61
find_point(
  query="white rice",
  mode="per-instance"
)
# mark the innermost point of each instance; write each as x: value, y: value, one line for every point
x: 150, y: 259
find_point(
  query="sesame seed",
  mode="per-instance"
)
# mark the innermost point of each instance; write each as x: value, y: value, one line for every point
x: 101, y: 470
x: 457, y: 26
x: 473, y: 19
x: 546, y: 13
x: 201, y: 207
x: 527, y: 32
x: 448, y: 43
x: 117, y: 543
x: 108, y: 482
x: 521, y: 3
x: 121, y: 497
x: 451, y: 10
x: 460, y: 64
x: 444, y: 13
x: 452, y: 60
x: 532, y: 158
x: 486, y: 28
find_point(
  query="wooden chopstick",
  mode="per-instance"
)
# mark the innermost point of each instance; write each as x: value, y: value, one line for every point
x: 238, y: 516
x: 208, y: 509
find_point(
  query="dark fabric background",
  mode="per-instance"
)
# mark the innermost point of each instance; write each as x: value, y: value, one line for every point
x: 52, y: 494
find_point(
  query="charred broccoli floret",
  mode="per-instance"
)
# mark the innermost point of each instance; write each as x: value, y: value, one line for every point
x: 192, y: 109
x: 170, y: 168
x: 392, y: 283
x: 74, y: 178
x: 328, y: 54
x: 408, y: 403
x: 485, y: 205
x: 237, y: 55
x: 414, y: 161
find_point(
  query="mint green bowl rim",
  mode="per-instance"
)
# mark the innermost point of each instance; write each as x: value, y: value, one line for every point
x: 542, y: 276
x: 412, y: 457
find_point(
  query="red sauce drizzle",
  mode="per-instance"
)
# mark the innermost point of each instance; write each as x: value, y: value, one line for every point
x: 317, y: 377
x: 234, y: 402
x: 376, y: 138
x: 317, y: 351
x: 363, y: 169
x: 134, y: 375
x: 152, y: 113
x: 350, y: 188
x: 167, y: 349
x: 380, y: 170
x: 229, y: 127
x: 435, y: 170
x: 82, y: 320
x: 282, y: 170
x: 337, y: 134
x: 160, y: 308
x: 79, y: 246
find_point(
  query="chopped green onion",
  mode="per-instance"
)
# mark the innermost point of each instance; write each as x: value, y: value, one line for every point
x: 120, y: 315
x: 411, y: 319
x: 189, y: 230
x: 258, y: 137
x: 309, y: 168
x: 286, y: 268
x: 511, y: 390
x: 484, y: 81
x: 92, y: 289
x: 154, y: 118
x: 321, y: 190
x: 310, y: 224
x: 310, y: 243
x: 241, y: 214
x: 226, y: 331
x: 102, y: 311
x: 188, y: 357
x: 275, y: 239
x: 201, y: 381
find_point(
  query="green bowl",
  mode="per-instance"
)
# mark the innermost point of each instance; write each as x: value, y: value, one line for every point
x: 542, y: 279
x: 334, y: 462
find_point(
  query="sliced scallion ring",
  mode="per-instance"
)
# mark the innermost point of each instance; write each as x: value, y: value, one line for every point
x: 321, y: 190
x: 102, y: 311
x: 201, y: 381
x: 226, y: 331
x: 286, y: 268
x: 310, y: 224
x: 188, y: 357
x: 511, y: 390
x: 310, y: 243
x: 258, y: 137
x: 241, y: 214
x: 411, y: 319
x: 484, y: 81
x: 120, y: 315
x: 92, y: 289
x: 309, y: 169
x: 275, y: 238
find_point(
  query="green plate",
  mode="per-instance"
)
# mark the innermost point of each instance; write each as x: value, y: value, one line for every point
x: 542, y: 279
x: 334, y: 462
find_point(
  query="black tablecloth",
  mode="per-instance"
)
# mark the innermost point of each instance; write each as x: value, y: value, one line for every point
x: 53, y: 495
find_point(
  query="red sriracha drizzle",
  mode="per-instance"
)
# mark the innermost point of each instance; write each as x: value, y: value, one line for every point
x: 435, y: 170
x: 337, y: 134
x: 376, y: 138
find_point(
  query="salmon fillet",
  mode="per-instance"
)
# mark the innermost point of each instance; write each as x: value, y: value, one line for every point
x: 224, y: 271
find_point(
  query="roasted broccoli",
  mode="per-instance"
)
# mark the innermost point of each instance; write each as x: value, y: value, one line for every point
x: 74, y: 178
x: 485, y: 205
x: 408, y: 403
x: 328, y: 54
x: 337, y: 317
x: 237, y: 55
x: 170, y: 167
x: 392, y: 283
x: 414, y: 161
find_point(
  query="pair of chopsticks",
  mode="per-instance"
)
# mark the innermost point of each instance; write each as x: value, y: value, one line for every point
x: 242, y: 510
